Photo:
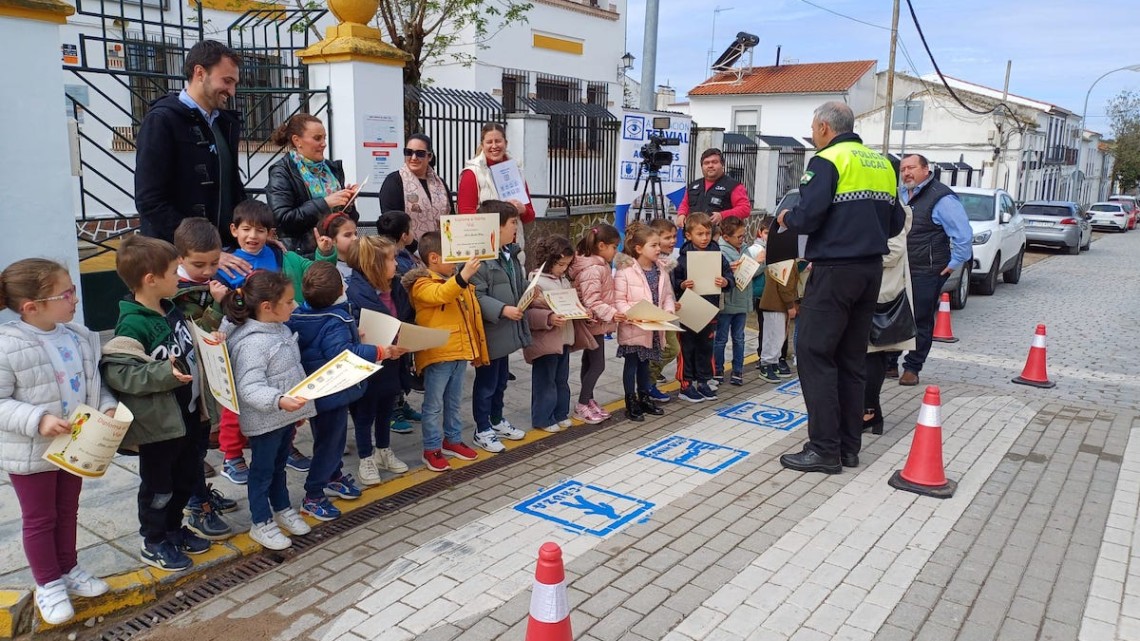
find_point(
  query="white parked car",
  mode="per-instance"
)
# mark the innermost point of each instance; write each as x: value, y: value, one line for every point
x: 1114, y: 215
x: 999, y: 236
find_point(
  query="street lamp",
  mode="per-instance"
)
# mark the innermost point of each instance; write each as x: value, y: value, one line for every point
x: 626, y: 65
x: 1084, y: 112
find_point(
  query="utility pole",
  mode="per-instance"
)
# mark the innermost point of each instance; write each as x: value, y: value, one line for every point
x: 999, y: 119
x: 649, y: 57
x: 890, y: 81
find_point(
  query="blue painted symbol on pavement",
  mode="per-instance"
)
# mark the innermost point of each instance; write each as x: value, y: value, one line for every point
x: 791, y: 388
x: 776, y: 418
x: 628, y: 170
x: 691, y: 453
x: 586, y: 509
x: 634, y: 128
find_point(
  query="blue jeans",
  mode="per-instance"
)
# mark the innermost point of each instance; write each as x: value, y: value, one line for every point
x: 727, y: 323
x: 487, y: 397
x: 550, y: 389
x: 330, y: 431
x: 443, y: 395
x: 266, y: 486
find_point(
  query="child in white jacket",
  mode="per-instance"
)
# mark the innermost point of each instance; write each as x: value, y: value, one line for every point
x: 48, y: 368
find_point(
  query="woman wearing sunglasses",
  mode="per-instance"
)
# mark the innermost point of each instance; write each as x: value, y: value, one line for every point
x: 304, y: 187
x: 416, y: 188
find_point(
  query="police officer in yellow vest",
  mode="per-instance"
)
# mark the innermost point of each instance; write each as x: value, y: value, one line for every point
x: 848, y: 209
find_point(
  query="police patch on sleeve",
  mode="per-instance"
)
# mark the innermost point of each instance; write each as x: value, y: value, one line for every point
x: 806, y: 178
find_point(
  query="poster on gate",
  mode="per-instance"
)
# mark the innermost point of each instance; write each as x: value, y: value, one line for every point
x: 636, y: 131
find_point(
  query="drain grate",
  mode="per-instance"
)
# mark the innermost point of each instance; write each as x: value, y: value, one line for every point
x: 240, y: 572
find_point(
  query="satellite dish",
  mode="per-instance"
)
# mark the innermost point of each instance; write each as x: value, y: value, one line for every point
x: 744, y: 42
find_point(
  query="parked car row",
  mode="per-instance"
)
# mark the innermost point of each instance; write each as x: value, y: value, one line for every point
x: 1055, y: 223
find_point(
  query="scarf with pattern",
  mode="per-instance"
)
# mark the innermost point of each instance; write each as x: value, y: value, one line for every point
x: 318, y: 176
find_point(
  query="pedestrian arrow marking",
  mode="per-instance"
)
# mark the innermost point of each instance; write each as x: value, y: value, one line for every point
x: 763, y: 415
x: 693, y: 454
x: 586, y: 509
x: 791, y: 388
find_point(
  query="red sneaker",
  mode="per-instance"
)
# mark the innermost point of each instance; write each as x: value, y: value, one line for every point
x: 459, y: 451
x: 435, y: 461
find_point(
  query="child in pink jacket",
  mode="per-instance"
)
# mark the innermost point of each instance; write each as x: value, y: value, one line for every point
x: 594, y: 281
x: 639, y: 277
x: 552, y: 338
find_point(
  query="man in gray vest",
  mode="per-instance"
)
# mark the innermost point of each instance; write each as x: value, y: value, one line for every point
x: 938, y: 243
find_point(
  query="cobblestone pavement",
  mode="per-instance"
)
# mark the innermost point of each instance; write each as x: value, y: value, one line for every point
x: 686, y: 527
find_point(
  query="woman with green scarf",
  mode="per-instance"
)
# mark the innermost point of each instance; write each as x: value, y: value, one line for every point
x: 303, y: 186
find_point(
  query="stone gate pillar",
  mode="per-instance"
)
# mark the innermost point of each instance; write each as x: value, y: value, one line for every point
x: 37, y: 218
x: 365, y: 80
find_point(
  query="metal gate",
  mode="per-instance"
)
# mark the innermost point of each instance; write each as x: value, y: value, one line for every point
x: 790, y: 168
x: 131, y: 52
x: 452, y: 118
x: 740, y: 154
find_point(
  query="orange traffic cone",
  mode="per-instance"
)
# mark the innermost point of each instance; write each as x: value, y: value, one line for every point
x: 924, y: 473
x: 549, y: 605
x: 1035, y: 374
x: 943, y: 332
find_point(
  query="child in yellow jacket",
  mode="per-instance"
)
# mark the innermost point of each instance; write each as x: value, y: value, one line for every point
x: 444, y: 299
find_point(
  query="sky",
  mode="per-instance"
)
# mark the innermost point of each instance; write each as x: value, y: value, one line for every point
x: 1058, y: 48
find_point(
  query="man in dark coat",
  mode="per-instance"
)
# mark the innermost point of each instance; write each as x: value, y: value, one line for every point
x: 187, y: 150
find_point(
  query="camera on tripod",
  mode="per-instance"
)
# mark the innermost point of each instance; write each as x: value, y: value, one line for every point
x: 653, y: 157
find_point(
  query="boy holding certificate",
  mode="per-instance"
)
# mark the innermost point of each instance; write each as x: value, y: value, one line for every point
x: 443, y: 299
x: 697, y: 347
x: 498, y: 286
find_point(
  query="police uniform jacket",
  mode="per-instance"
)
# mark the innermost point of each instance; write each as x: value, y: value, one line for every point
x: 849, y: 203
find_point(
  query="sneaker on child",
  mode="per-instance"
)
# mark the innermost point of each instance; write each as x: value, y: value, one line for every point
x: 504, y: 429
x: 704, y: 390
x: 164, y: 556
x: 782, y: 368
x: 553, y: 429
x: 400, y: 426
x: 408, y: 413
x: 737, y: 379
x: 586, y: 414
x: 320, y: 509
x: 689, y: 393
x: 187, y: 542
x: 435, y: 461
x: 298, y: 462
x: 206, y: 523
x: 459, y: 450
x: 80, y: 582
x: 599, y: 410
x: 489, y: 441
x: 368, y: 472
x: 658, y: 396
x: 235, y: 470
x: 769, y: 374
x: 386, y: 459
x: 269, y: 536
x: 291, y: 522
x: 219, y: 501
x: 53, y: 603
x: 565, y: 423
x: 344, y: 487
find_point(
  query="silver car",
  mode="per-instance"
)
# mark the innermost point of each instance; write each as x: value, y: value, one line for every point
x: 1056, y: 223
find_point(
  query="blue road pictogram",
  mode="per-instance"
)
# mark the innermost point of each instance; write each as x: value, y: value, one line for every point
x: 628, y: 170
x: 586, y: 509
x: 791, y: 388
x: 691, y: 453
x: 770, y: 416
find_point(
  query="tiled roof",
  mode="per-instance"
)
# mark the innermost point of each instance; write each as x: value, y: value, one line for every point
x: 812, y: 77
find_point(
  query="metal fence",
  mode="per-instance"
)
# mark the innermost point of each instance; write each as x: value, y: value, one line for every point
x: 452, y: 118
x: 740, y: 155
x: 790, y: 168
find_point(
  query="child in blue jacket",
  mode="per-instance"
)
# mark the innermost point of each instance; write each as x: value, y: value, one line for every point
x: 325, y: 328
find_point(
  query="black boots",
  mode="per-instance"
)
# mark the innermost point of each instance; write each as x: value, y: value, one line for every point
x: 648, y: 406
x: 633, y: 409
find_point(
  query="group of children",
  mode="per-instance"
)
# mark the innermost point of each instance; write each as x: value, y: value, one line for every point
x: 283, y: 316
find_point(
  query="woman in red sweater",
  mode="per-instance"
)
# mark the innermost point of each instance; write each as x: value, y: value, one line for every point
x: 476, y: 184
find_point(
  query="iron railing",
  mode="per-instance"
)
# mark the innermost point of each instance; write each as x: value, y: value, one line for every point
x: 452, y: 118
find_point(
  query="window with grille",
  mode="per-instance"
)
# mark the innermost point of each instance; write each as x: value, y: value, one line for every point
x: 516, y: 86
x: 564, y: 90
x: 155, y: 68
x: 262, y: 110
